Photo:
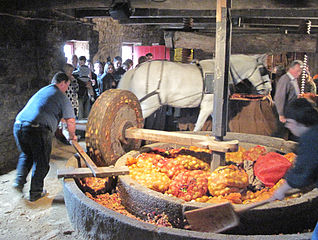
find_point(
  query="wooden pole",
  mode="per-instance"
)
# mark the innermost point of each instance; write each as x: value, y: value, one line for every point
x: 222, y: 62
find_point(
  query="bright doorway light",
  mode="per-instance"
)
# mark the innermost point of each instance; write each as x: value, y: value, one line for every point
x: 79, y: 48
x: 127, y: 52
x: 68, y: 52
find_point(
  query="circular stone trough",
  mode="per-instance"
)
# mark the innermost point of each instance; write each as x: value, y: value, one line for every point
x: 291, y: 217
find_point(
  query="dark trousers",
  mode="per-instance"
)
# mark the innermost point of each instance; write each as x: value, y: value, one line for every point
x: 35, y: 145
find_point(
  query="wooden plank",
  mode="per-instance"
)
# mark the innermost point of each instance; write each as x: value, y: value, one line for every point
x: 86, y: 158
x: 253, y: 43
x: 86, y: 172
x: 182, y: 139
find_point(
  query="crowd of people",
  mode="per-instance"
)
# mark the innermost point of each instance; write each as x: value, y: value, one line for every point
x: 89, y: 80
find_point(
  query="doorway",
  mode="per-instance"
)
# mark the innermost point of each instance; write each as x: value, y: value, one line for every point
x: 78, y: 48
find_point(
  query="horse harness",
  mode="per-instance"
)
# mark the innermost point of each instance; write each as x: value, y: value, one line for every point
x: 263, y: 71
x: 157, y: 91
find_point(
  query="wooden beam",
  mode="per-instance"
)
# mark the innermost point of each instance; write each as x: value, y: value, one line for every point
x: 211, y: 4
x: 54, y: 4
x: 221, y: 77
x: 253, y: 43
x: 194, y: 5
x: 182, y: 138
x: 291, y: 13
x: 282, y: 13
x: 166, y: 21
x: 92, y: 13
x: 275, y: 21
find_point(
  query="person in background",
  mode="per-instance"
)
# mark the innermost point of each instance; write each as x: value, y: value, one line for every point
x: 82, y: 76
x: 99, y: 71
x: 301, y: 118
x: 75, y: 61
x: 108, y: 80
x: 93, y: 79
x: 149, y: 56
x: 141, y: 60
x: 33, y: 132
x: 73, y: 88
x: 128, y: 64
x: 119, y: 71
x: 287, y: 89
x: 278, y: 71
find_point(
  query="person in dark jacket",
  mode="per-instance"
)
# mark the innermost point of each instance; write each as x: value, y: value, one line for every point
x: 82, y: 76
x: 33, y: 132
x: 119, y: 70
x: 302, y: 120
x: 108, y: 78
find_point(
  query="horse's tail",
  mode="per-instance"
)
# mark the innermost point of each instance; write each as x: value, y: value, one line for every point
x: 125, y: 81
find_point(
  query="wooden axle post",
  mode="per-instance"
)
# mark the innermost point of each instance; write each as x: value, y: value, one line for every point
x: 222, y: 62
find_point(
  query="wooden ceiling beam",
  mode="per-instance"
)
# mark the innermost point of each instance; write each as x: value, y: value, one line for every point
x: 238, y: 30
x: 92, y: 13
x: 160, y: 21
x: 208, y: 21
x: 291, y: 13
x: 237, y: 4
x: 167, y: 4
x: 253, y: 43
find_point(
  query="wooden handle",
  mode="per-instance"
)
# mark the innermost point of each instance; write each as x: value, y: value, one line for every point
x: 182, y: 139
x: 85, y: 172
x: 92, y: 166
x: 253, y: 205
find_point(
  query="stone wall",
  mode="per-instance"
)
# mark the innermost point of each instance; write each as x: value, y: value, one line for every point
x: 31, y: 51
x: 112, y: 35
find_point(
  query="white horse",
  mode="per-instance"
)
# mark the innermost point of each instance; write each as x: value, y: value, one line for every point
x: 157, y: 83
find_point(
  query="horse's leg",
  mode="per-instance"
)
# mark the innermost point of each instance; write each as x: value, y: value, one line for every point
x: 206, y: 108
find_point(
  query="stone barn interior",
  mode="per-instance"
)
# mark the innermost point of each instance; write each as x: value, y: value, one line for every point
x: 39, y: 37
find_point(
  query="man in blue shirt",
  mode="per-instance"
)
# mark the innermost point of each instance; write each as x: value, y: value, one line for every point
x: 33, y: 132
x: 302, y: 120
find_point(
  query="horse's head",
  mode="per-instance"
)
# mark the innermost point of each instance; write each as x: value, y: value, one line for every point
x: 253, y: 69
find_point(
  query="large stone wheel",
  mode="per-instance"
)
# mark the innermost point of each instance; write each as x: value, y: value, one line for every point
x: 113, y: 112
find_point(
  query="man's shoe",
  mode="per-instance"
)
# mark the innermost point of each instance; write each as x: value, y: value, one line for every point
x: 36, y: 196
x: 18, y: 187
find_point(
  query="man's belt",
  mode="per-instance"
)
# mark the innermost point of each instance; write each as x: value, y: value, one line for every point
x: 32, y: 124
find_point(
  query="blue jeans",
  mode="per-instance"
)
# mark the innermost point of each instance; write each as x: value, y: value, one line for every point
x: 35, y: 145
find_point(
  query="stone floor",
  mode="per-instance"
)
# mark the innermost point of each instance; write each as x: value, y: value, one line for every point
x: 41, y: 220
